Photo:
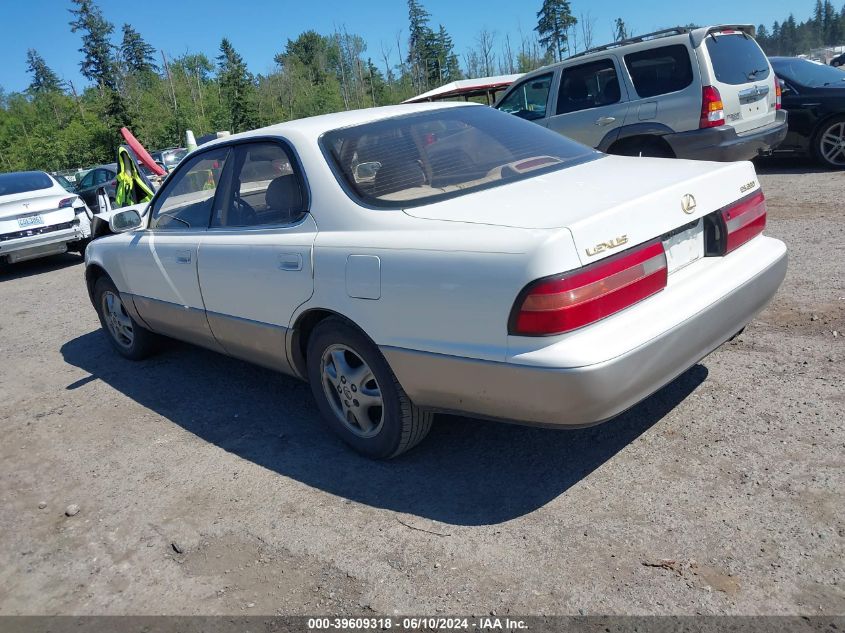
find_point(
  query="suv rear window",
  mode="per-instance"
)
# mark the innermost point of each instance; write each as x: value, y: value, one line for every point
x: 658, y: 71
x: 736, y: 58
x: 21, y: 181
x: 421, y: 158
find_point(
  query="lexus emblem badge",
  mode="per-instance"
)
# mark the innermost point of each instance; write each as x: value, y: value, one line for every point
x: 688, y: 203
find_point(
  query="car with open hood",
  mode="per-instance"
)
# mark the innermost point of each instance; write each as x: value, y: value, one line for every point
x: 421, y: 258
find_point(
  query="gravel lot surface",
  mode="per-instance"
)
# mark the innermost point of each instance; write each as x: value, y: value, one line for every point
x: 204, y: 485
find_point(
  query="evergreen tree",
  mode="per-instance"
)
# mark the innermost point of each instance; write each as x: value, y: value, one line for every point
x: 237, y: 89
x: 43, y: 77
x: 449, y: 69
x: 98, y: 61
x: 138, y: 56
x: 420, y: 45
x: 554, y: 19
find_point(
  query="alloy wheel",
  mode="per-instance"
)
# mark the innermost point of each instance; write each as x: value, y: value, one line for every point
x: 832, y: 144
x: 352, y: 390
x: 117, y: 319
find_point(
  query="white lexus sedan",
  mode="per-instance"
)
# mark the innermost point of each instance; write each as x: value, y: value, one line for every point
x: 38, y: 217
x: 413, y: 259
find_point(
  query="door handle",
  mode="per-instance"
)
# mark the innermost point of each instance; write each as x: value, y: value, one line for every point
x: 183, y: 257
x: 605, y: 120
x: 290, y: 261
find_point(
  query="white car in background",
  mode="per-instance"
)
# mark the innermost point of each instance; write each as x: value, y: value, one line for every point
x: 412, y: 259
x: 39, y: 217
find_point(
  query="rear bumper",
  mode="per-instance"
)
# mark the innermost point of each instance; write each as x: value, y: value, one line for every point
x: 52, y: 243
x: 725, y: 145
x: 585, y: 395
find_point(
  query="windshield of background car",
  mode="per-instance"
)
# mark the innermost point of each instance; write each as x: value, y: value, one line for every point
x: 420, y: 158
x: 809, y: 74
x: 171, y: 159
x: 20, y: 182
x: 736, y: 58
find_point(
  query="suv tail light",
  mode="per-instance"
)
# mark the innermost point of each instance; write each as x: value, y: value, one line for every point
x: 744, y: 220
x: 712, y: 108
x: 561, y: 303
x: 778, y: 94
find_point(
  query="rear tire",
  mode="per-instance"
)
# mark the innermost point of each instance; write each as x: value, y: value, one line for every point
x: 829, y: 143
x: 645, y: 147
x: 358, y: 395
x: 128, y: 338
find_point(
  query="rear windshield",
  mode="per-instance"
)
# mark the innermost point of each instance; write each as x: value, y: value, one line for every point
x: 421, y: 158
x: 807, y: 73
x: 736, y: 58
x: 22, y: 181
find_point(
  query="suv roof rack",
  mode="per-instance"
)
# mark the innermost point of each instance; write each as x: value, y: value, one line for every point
x: 702, y: 32
x: 678, y: 30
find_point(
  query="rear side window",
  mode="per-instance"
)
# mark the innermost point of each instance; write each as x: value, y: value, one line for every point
x: 658, y: 71
x: 266, y: 190
x: 588, y: 86
x: 736, y: 58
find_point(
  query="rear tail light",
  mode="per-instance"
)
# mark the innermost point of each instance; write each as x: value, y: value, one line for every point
x: 67, y: 202
x: 743, y: 220
x: 113, y: 183
x: 712, y: 108
x: 561, y: 303
x: 778, y: 94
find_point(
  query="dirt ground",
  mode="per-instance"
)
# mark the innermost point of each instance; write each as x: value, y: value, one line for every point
x: 207, y: 486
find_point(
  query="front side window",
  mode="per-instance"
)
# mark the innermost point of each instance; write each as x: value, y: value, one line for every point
x: 658, y: 71
x: 528, y: 99
x: 736, y: 58
x: 265, y: 188
x: 187, y: 198
x: 588, y: 86
x: 420, y: 158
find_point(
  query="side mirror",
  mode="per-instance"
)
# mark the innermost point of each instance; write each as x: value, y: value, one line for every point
x: 123, y: 221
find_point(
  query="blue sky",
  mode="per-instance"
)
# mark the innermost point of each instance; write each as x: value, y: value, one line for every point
x: 260, y: 28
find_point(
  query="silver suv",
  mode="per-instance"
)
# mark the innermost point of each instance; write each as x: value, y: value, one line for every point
x: 706, y: 93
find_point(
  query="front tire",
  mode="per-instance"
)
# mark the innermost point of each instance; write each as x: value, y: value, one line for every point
x: 829, y: 143
x: 358, y: 395
x: 128, y: 338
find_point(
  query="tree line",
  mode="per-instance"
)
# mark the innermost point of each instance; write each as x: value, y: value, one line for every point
x: 826, y: 27
x: 55, y: 124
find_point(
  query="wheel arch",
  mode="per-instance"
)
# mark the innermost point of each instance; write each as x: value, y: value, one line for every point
x: 302, y: 329
x: 634, y: 131
x: 93, y: 273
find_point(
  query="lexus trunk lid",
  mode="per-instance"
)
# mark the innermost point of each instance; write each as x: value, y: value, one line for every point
x: 605, y: 200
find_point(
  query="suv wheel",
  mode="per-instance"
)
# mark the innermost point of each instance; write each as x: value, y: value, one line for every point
x: 829, y: 144
x: 358, y: 395
x: 649, y: 147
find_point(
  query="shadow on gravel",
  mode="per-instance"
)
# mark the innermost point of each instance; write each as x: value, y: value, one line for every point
x: 789, y: 165
x: 38, y: 266
x: 467, y: 472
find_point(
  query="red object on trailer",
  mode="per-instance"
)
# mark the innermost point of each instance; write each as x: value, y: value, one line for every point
x: 142, y: 154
